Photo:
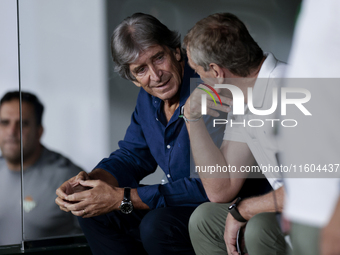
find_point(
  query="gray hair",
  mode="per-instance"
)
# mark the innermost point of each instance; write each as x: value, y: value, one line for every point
x: 223, y: 39
x: 136, y: 34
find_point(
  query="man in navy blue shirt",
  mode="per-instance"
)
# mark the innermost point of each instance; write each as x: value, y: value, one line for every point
x: 117, y: 215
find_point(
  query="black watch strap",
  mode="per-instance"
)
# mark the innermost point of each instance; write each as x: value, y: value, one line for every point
x: 126, y: 206
x: 234, y: 211
x: 127, y: 194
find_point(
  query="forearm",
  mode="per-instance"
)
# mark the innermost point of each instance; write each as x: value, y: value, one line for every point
x: 137, y: 201
x: 270, y: 202
x: 220, y: 186
x: 206, y: 154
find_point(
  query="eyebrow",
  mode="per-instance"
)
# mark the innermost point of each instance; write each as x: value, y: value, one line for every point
x: 159, y: 53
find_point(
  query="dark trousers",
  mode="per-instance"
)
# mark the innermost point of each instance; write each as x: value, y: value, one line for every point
x: 161, y: 231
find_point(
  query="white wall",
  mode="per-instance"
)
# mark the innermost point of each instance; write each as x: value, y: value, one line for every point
x: 9, y: 77
x: 63, y: 61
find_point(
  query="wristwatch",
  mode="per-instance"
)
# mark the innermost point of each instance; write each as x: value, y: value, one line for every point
x: 126, y: 206
x: 234, y: 212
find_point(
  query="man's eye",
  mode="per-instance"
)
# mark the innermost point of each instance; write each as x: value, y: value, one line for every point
x: 141, y: 71
x: 159, y: 57
x: 25, y: 123
x: 4, y: 123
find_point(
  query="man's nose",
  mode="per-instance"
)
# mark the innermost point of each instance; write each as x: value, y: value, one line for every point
x: 155, y: 74
x: 14, y: 129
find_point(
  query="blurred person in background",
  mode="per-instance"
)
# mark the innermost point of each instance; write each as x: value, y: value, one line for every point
x: 43, y: 172
x: 312, y: 204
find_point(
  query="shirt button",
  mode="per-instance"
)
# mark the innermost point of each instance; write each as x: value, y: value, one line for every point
x: 157, y: 119
x: 168, y: 175
x: 168, y: 146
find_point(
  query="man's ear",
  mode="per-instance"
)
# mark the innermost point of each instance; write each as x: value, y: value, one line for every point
x: 178, y: 55
x: 216, y: 70
x: 137, y: 84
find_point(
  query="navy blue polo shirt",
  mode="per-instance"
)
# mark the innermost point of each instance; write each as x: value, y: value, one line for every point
x: 150, y: 141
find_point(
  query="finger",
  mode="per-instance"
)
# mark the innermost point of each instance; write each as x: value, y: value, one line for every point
x: 61, y: 204
x: 63, y: 209
x: 90, y: 214
x: 77, y: 197
x: 77, y: 206
x: 221, y: 92
x: 224, y: 99
x: 232, y: 250
x: 79, y: 213
x: 60, y: 192
x: 82, y: 176
x: 90, y: 183
x: 85, y: 211
x: 223, y: 108
x: 218, y: 90
x: 212, y: 113
x: 231, y: 244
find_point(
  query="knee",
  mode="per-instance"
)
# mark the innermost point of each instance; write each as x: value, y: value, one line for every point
x: 156, y: 228
x: 161, y: 230
x: 259, y: 230
x: 85, y: 223
x: 203, y: 220
x: 150, y: 227
x: 199, y: 218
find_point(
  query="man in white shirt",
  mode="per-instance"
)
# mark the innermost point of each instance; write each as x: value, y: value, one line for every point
x: 221, y: 51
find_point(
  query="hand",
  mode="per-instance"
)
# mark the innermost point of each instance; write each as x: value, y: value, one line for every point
x: 230, y: 234
x: 192, y: 108
x: 285, y: 225
x: 99, y: 199
x: 69, y: 187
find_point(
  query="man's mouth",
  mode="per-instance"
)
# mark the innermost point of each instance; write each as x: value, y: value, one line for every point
x: 12, y: 141
x: 163, y: 85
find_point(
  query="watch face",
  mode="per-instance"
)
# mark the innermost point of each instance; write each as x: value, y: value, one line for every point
x: 126, y: 207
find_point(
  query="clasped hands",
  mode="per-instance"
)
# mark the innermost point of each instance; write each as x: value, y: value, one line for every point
x: 88, y: 198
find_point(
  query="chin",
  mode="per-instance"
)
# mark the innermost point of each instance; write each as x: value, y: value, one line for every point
x: 14, y: 159
x: 169, y: 94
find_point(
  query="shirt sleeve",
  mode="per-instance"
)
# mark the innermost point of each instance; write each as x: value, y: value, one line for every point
x: 133, y: 160
x: 183, y: 192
